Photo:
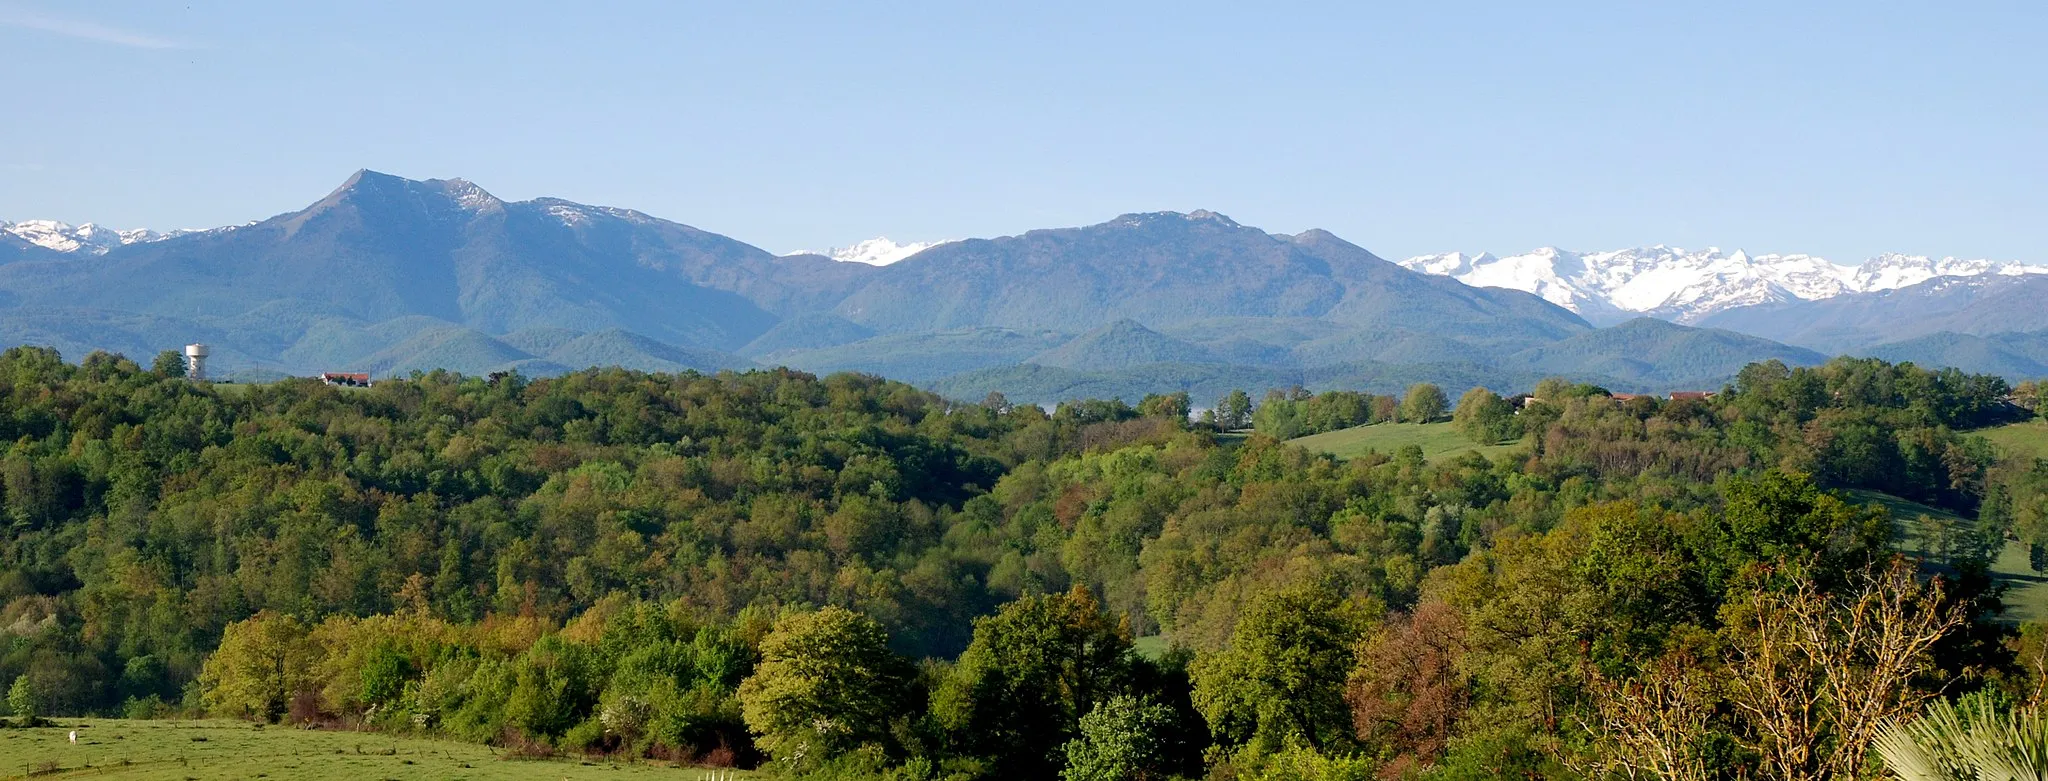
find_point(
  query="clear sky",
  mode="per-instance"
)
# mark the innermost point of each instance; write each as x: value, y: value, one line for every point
x: 1840, y: 129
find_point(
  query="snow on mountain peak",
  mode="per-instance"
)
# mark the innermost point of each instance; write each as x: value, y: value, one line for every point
x: 879, y: 251
x: 88, y: 238
x: 1687, y: 286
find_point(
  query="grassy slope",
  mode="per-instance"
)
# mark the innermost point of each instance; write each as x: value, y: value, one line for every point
x: 1437, y: 440
x: 2025, y: 440
x: 175, y: 750
x: 2026, y: 596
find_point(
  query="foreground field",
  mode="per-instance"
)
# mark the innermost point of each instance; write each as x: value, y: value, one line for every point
x: 1436, y: 440
x: 181, y: 750
x: 2024, y: 440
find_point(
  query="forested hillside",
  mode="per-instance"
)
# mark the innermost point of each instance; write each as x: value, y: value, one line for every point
x: 847, y: 577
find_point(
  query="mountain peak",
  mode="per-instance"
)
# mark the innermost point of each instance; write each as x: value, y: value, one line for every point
x: 366, y: 185
x: 1206, y: 215
x: 1140, y: 219
x: 878, y: 251
x: 87, y: 239
x: 465, y: 193
x: 365, y: 178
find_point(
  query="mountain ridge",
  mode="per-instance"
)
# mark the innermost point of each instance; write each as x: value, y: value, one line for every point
x: 1689, y: 286
x: 393, y: 275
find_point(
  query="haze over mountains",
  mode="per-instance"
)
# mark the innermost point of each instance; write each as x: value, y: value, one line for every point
x: 391, y: 275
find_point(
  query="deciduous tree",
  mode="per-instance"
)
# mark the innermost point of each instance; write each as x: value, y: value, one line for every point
x: 1424, y: 403
x: 827, y: 683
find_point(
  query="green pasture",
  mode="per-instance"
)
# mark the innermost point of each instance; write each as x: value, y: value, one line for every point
x: 1437, y: 440
x: 192, y: 750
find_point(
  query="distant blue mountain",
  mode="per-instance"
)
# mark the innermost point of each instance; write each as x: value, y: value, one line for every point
x: 393, y: 275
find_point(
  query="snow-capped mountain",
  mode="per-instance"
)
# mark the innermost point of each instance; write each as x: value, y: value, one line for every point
x: 880, y: 251
x: 88, y: 238
x: 1687, y: 286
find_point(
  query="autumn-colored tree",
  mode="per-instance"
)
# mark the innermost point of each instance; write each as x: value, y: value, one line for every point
x: 1408, y: 690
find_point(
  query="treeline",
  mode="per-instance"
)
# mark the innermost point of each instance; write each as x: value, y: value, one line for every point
x: 847, y: 577
x: 1295, y: 412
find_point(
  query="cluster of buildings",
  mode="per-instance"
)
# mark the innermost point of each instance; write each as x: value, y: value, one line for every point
x: 195, y: 370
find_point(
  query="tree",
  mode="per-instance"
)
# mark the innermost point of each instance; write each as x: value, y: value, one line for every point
x: 827, y: 683
x: 1409, y: 689
x: 1123, y: 739
x: 1817, y: 676
x: 260, y: 665
x: 22, y: 699
x: 1385, y: 409
x: 1659, y: 726
x: 1172, y: 406
x: 1034, y: 669
x: 1281, y: 680
x: 1278, y: 417
x: 1812, y: 678
x: 1234, y: 411
x: 168, y: 364
x: 996, y: 402
x: 1424, y: 402
x: 1484, y: 417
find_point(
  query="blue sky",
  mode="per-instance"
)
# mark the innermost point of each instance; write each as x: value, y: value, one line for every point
x: 1841, y: 129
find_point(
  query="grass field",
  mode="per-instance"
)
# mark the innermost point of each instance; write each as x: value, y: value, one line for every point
x: 1436, y: 439
x: 1150, y: 646
x: 2026, y: 595
x: 2023, y: 440
x: 190, y: 750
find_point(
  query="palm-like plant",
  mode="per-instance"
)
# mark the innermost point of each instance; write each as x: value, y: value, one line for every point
x: 1975, y: 741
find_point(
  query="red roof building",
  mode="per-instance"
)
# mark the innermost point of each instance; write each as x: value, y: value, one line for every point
x: 349, y: 379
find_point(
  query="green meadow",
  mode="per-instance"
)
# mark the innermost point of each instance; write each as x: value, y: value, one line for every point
x: 218, y: 749
x: 1437, y: 440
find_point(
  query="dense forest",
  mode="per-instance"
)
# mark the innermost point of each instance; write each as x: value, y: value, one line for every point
x: 846, y: 577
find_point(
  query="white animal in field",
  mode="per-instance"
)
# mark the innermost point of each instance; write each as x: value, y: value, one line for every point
x: 74, y: 736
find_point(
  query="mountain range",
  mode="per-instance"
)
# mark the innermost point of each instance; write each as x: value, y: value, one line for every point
x: 391, y: 275
x: 1690, y: 287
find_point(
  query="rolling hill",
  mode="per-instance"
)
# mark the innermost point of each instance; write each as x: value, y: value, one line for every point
x: 2021, y: 355
x: 1121, y: 344
x: 1658, y: 355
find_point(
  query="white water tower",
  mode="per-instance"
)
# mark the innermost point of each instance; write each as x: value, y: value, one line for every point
x: 195, y: 362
